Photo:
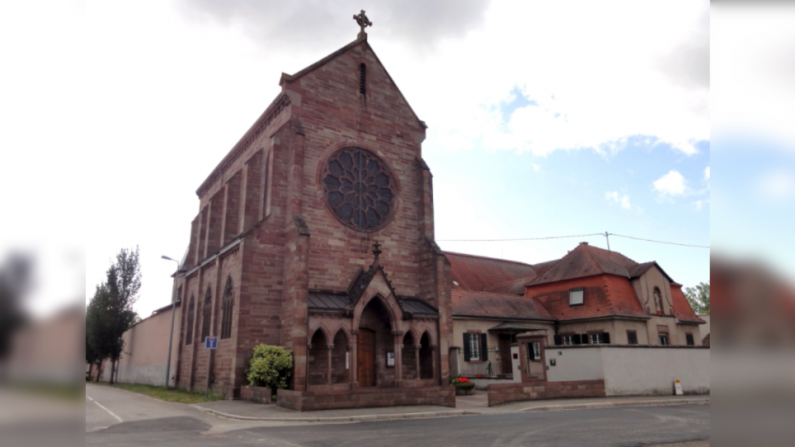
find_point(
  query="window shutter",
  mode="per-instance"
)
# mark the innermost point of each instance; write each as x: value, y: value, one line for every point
x: 558, y: 340
x: 575, y: 339
x: 585, y: 339
x: 484, y: 347
x: 467, y: 351
x: 606, y: 338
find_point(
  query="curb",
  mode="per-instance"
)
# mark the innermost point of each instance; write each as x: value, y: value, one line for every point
x: 597, y: 405
x: 361, y: 418
x: 436, y: 414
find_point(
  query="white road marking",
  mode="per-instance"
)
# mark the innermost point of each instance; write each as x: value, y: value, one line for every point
x: 104, y: 408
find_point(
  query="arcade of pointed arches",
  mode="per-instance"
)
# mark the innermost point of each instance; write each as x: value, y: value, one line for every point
x: 374, y: 347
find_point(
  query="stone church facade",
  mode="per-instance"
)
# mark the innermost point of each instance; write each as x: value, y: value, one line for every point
x: 316, y: 233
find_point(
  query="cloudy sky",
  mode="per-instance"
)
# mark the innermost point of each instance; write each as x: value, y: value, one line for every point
x: 545, y: 119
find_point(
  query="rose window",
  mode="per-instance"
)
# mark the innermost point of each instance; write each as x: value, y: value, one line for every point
x: 359, y: 189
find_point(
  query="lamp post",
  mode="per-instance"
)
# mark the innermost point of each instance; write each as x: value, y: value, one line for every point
x: 171, y: 330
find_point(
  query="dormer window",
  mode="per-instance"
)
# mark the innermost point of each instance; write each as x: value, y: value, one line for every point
x: 576, y: 297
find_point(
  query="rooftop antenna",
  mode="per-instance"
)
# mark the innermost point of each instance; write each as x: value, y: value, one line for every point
x: 607, y: 237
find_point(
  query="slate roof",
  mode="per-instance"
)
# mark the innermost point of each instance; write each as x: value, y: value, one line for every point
x: 490, y: 305
x: 478, y: 273
x: 416, y: 307
x: 328, y: 301
x: 513, y: 326
x: 331, y: 301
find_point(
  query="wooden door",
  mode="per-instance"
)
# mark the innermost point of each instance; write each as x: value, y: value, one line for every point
x: 366, y: 358
x: 505, y: 354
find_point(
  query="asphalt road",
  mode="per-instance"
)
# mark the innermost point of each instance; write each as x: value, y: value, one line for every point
x: 148, y: 421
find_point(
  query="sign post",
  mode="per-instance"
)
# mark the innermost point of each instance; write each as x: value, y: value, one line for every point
x: 210, y: 343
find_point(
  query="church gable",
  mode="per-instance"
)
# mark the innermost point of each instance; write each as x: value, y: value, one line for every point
x: 352, y: 78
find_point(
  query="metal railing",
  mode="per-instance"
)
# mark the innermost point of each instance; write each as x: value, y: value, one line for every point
x: 493, y: 368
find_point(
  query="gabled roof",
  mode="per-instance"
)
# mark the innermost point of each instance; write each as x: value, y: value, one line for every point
x: 583, y: 261
x: 360, y: 40
x: 490, y: 305
x: 479, y: 273
x: 639, y: 269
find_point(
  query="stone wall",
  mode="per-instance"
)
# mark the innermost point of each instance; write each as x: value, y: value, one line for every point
x: 257, y: 394
x: 512, y: 392
x: 366, y: 397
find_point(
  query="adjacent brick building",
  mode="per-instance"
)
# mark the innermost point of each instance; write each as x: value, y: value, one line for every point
x: 283, y: 247
x: 590, y: 296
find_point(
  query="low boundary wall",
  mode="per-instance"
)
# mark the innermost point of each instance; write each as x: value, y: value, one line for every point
x: 366, y: 397
x: 632, y: 370
x: 512, y: 392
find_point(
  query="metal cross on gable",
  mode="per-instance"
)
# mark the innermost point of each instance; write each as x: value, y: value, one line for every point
x: 362, y: 20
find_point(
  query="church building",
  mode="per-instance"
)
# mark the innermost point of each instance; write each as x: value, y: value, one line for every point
x: 316, y: 233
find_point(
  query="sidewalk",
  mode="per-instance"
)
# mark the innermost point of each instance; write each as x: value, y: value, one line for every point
x: 465, y: 405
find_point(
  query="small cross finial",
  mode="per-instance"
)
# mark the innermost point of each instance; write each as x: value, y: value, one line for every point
x: 377, y: 250
x: 363, y: 21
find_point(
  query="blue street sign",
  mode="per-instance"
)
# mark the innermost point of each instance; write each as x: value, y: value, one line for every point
x: 211, y: 342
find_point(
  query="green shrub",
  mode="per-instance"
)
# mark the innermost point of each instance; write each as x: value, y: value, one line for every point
x: 270, y: 366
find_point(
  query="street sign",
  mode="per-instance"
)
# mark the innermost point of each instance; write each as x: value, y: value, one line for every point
x: 211, y: 342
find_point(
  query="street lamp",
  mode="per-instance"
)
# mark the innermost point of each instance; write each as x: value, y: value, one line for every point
x: 171, y: 330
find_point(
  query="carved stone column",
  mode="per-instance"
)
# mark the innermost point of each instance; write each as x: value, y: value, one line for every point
x: 417, y: 359
x: 354, y: 346
x: 398, y: 339
x: 330, y: 353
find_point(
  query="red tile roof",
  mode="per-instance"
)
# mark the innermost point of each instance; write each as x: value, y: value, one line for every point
x: 512, y: 287
x: 479, y: 273
x: 682, y: 309
x: 491, y: 305
x: 604, y: 295
x: 585, y: 261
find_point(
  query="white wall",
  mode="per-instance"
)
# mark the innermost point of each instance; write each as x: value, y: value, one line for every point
x: 574, y: 364
x: 633, y: 371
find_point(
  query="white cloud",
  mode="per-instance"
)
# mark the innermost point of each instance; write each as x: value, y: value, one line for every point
x: 536, y: 168
x: 706, y: 173
x: 752, y: 70
x: 596, y: 78
x: 671, y: 184
x: 618, y: 198
x: 777, y: 185
x: 700, y: 204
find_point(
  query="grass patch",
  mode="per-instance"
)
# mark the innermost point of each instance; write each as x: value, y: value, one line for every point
x: 166, y: 394
x: 64, y: 392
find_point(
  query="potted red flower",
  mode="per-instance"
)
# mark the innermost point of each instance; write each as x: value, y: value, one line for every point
x: 463, y: 386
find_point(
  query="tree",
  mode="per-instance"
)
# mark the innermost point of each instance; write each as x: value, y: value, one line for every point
x: 698, y: 297
x: 109, y: 314
x: 15, y: 281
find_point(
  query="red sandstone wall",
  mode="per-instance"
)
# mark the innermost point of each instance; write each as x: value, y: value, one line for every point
x: 513, y: 392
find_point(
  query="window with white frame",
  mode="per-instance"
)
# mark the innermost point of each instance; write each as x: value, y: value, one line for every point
x: 568, y: 339
x: 596, y: 339
x: 576, y: 297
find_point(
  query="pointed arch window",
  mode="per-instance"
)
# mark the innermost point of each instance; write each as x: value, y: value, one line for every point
x: 189, y: 325
x: 226, y: 319
x: 206, y: 313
